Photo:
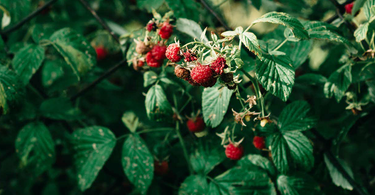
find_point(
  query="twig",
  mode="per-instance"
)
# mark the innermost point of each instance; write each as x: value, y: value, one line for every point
x: 204, y: 3
x: 183, y: 147
x: 27, y: 18
x: 101, y: 21
x: 101, y: 78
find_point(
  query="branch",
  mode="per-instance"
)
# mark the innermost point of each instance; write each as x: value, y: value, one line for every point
x: 27, y: 18
x: 204, y: 3
x: 101, y: 21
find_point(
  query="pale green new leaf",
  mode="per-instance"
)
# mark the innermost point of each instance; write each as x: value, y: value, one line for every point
x: 138, y: 163
x: 75, y: 49
x: 338, y: 83
x: 286, y: 20
x: 215, y: 102
x: 35, y: 147
x: 157, y: 105
x: 251, y: 42
x: 93, y: 146
x: 295, y: 117
x: 337, y: 178
x: 361, y: 32
x: 276, y: 75
x: 27, y: 61
x: 130, y: 120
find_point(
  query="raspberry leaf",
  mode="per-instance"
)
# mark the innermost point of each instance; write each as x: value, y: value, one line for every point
x: 206, y: 156
x: 138, y: 163
x: 296, y: 117
x: 149, y: 4
x: 193, y: 185
x: 338, y: 83
x: 358, y: 5
x: 337, y: 178
x: 298, y: 184
x: 59, y: 109
x: 130, y: 120
x: 149, y: 78
x: 361, y: 32
x: 10, y: 88
x: 286, y: 20
x: 27, y: 61
x: 184, y: 8
x: 157, y: 105
x: 251, y: 42
x: 276, y: 75
x: 75, y: 49
x: 368, y: 8
x: 259, y: 161
x: 190, y: 28
x: 291, y: 151
x: 215, y: 102
x: 35, y: 147
x: 93, y: 146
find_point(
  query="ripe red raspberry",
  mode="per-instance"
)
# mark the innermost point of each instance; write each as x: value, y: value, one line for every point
x: 196, y: 125
x: 138, y: 64
x: 166, y: 30
x: 202, y: 74
x: 234, y: 152
x: 101, y: 52
x: 158, y: 52
x: 181, y: 72
x: 218, y: 65
x: 161, y: 168
x: 151, y: 26
x: 259, y: 142
x: 173, y: 52
x: 349, y: 7
x: 189, y: 56
x: 152, y: 62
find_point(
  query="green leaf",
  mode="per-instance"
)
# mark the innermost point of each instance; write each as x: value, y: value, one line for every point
x: 130, y: 120
x: 184, y: 9
x: 9, y: 88
x: 35, y: 147
x: 149, y: 4
x: 299, y: 184
x: 291, y: 151
x: 298, y: 51
x: 93, y: 146
x: 215, y: 102
x: 149, y: 78
x: 338, y: 82
x: 368, y: 8
x: 286, y: 20
x: 193, y: 185
x: 206, y: 157
x: 295, y: 117
x: 312, y: 79
x: 157, y: 105
x: 337, y: 178
x: 251, y: 42
x: 276, y: 75
x: 75, y: 49
x: 138, y: 163
x: 27, y: 61
x: 259, y: 161
x: 257, y: 3
x: 361, y: 32
x: 357, y: 6
x: 190, y: 28
x: 59, y: 109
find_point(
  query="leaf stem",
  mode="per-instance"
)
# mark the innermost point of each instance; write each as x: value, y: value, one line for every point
x: 183, y: 147
x: 155, y: 130
x: 122, y: 136
x: 258, y: 93
x: 281, y: 44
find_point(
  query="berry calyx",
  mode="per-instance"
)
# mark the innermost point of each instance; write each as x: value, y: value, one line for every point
x: 259, y: 142
x: 152, y: 62
x: 349, y: 8
x: 173, y: 52
x: 151, y: 26
x: 161, y: 167
x: 101, y: 52
x: 181, y: 72
x: 166, y: 30
x: 158, y: 52
x: 234, y: 152
x: 219, y: 65
x: 196, y: 125
x: 202, y: 74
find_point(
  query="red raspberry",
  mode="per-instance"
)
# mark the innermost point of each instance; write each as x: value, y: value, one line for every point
x: 161, y: 168
x: 181, y: 72
x: 151, y: 26
x: 259, y: 142
x: 101, y: 52
x: 218, y: 65
x: 152, y: 62
x: 166, y: 30
x: 202, y: 74
x: 173, y: 52
x: 233, y: 152
x: 196, y: 125
x: 349, y: 7
x: 158, y: 52
x: 189, y: 57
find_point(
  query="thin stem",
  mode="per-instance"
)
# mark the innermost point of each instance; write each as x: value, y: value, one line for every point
x: 155, y: 130
x: 100, y: 20
x: 27, y: 18
x: 204, y: 3
x: 258, y: 93
x: 281, y: 44
x: 123, y: 136
x: 183, y: 147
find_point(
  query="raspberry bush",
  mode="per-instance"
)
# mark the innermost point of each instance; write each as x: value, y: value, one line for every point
x: 187, y: 97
